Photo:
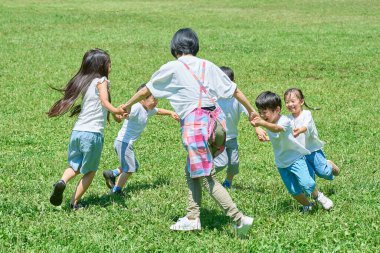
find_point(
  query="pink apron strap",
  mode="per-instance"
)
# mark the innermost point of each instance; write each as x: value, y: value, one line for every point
x: 200, y: 81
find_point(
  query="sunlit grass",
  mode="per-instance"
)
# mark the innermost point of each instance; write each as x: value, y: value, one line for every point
x: 329, y: 49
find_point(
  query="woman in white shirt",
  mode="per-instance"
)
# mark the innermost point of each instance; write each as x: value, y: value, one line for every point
x: 179, y: 82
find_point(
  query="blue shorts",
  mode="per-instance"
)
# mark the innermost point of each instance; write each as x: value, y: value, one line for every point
x: 298, y: 178
x: 126, y: 156
x: 85, y: 149
x: 229, y: 158
x: 318, y: 163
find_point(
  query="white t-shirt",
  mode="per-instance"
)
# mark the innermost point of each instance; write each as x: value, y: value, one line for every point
x: 309, y: 139
x: 232, y: 109
x: 175, y: 83
x: 93, y: 115
x: 135, y: 124
x: 286, y: 148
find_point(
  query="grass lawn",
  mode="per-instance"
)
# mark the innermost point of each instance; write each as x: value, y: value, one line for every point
x: 329, y: 49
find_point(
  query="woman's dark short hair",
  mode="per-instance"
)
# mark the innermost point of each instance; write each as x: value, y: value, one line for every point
x: 268, y: 100
x: 185, y: 41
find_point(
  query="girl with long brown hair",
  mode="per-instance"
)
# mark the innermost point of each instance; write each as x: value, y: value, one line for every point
x: 86, y: 142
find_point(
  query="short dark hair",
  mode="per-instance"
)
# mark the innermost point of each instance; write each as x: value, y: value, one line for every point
x: 268, y: 100
x: 229, y: 72
x: 184, y: 41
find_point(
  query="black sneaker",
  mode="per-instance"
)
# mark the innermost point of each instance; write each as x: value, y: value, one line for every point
x: 57, y: 194
x: 110, y: 178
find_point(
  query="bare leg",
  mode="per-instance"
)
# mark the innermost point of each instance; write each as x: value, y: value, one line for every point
x: 314, y: 194
x: 82, y: 187
x: 335, y: 168
x: 69, y: 174
x: 302, y: 199
x: 123, y: 179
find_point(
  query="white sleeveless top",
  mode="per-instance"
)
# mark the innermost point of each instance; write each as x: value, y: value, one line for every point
x: 93, y: 115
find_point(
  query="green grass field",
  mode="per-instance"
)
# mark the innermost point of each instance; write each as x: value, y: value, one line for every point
x: 329, y: 49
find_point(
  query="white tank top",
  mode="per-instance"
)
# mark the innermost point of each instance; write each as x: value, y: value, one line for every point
x: 93, y: 115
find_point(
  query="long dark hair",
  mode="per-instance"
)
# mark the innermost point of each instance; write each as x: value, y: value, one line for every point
x: 300, y: 96
x: 95, y: 64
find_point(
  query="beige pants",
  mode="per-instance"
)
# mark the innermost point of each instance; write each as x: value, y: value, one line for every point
x: 217, y: 192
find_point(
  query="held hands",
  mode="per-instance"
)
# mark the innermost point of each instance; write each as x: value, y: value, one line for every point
x: 174, y: 116
x: 296, y: 132
x: 253, y: 115
x: 261, y: 134
x: 123, y: 113
x: 257, y: 121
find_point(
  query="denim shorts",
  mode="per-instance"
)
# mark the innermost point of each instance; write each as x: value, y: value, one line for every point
x: 318, y: 163
x: 85, y: 149
x: 298, y: 178
x: 126, y: 156
x: 229, y: 158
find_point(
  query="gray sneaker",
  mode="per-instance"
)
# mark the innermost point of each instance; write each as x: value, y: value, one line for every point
x: 57, y: 194
x: 110, y: 178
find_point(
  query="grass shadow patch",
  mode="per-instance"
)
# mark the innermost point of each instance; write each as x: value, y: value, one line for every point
x: 136, y: 187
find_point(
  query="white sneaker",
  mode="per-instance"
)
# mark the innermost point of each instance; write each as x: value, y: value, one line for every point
x: 326, y: 203
x: 245, y: 225
x: 184, y: 224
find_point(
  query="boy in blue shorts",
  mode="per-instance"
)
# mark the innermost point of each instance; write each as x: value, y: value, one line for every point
x: 289, y: 154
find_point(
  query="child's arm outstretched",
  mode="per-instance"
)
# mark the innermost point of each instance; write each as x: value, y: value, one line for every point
x: 270, y: 126
x: 244, y: 101
x: 261, y: 134
x: 172, y: 114
x: 308, y: 124
x: 103, y: 95
x: 298, y: 131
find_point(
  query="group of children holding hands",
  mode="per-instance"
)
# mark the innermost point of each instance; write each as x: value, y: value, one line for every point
x: 190, y: 84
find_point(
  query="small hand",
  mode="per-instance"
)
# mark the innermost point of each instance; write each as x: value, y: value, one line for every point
x: 119, y: 111
x: 261, y: 134
x: 296, y: 132
x: 253, y: 115
x: 127, y: 109
x: 175, y: 116
x: 256, y: 121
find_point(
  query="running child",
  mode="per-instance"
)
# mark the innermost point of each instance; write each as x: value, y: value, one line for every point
x: 288, y: 153
x: 86, y: 142
x: 306, y: 133
x: 128, y: 134
x: 230, y: 156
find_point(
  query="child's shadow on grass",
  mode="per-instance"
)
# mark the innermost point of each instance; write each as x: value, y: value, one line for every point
x: 108, y: 199
x: 251, y: 188
x: 136, y: 187
x: 285, y: 206
x: 213, y: 219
